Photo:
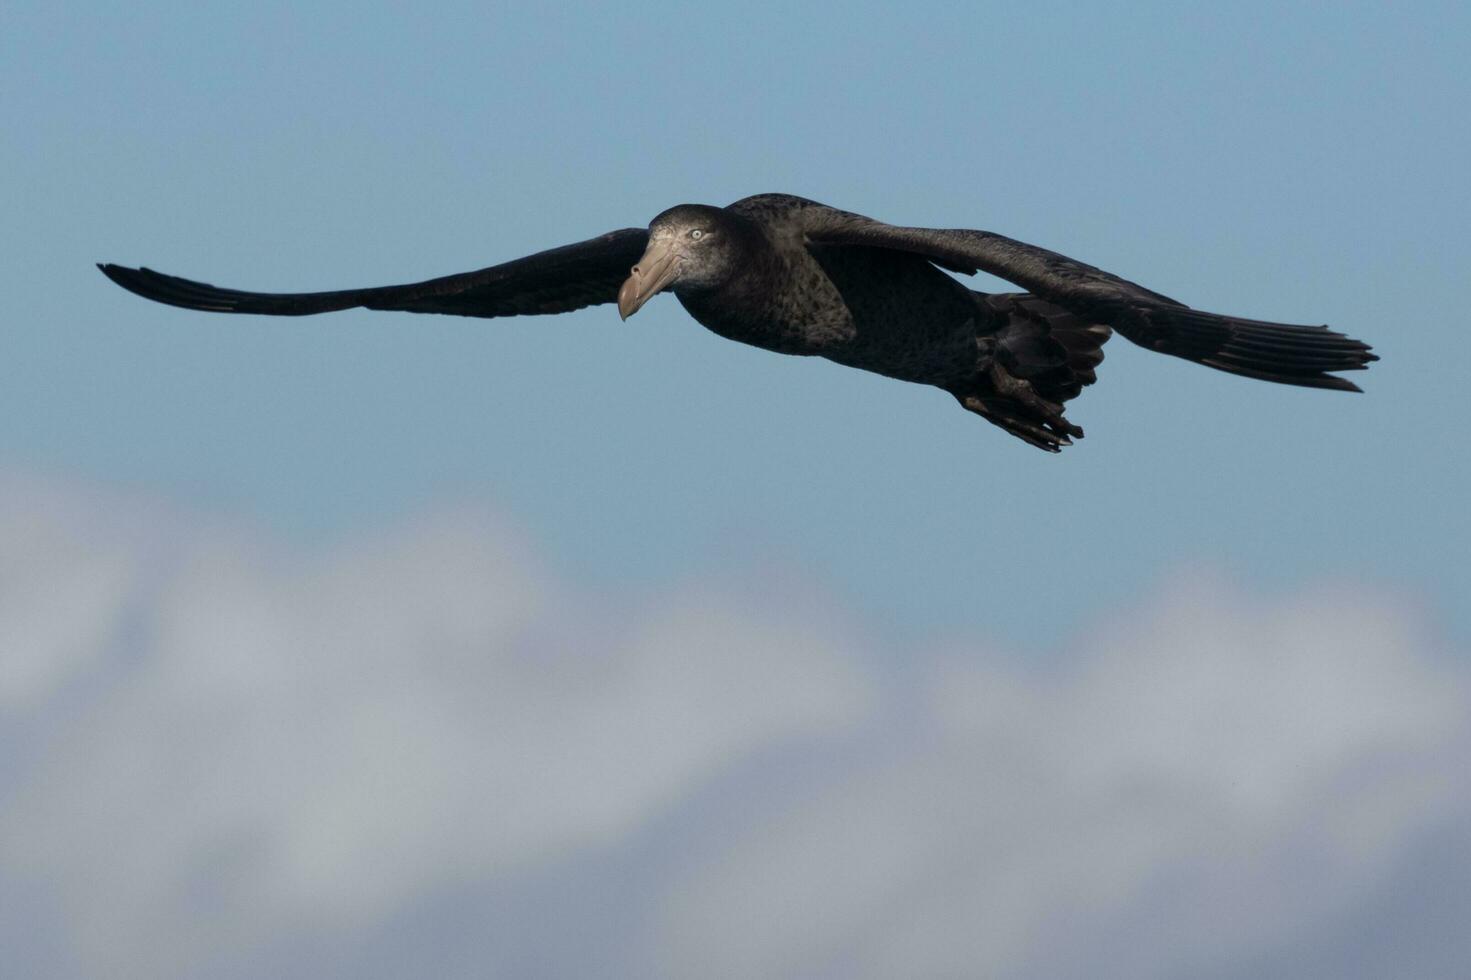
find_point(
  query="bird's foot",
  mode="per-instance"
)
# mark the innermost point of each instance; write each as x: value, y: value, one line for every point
x: 1020, y: 390
x: 999, y: 412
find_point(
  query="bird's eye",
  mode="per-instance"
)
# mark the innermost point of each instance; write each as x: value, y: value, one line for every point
x: 696, y: 234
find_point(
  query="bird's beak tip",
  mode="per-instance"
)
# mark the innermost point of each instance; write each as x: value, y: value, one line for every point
x: 630, y: 296
x: 657, y: 269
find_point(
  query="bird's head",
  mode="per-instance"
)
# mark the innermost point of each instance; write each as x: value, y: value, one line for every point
x: 691, y: 247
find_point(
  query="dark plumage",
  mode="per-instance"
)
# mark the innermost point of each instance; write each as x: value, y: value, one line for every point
x: 798, y: 277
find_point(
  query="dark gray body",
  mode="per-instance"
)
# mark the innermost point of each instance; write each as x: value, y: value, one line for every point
x: 892, y: 314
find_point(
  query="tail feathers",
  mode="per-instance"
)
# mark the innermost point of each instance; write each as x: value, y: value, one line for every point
x: 1084, y: 343
x: 1281, y: 352
x: 1057, y: 352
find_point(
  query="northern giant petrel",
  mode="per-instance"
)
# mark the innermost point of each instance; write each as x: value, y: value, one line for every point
x: 798, y: 277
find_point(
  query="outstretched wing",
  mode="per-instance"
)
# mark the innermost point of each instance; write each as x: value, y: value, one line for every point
x: 555, y: 281
x: 1286, y: 353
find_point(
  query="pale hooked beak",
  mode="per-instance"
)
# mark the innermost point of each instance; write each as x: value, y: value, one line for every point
x: 654, y: 271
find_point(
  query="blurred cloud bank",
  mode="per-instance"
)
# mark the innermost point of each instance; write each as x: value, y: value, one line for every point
x: 420, y: 753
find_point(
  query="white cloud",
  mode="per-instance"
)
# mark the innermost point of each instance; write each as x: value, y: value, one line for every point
x: 225, y: 749
x: 64, y: 579
x: 1199, y: 783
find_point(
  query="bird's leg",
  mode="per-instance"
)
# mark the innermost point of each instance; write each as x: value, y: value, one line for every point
x: 996, y: 412
x: 1021, y: 390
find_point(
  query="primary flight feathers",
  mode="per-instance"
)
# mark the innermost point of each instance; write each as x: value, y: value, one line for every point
x: 798, y: 277
x: 555, y: 281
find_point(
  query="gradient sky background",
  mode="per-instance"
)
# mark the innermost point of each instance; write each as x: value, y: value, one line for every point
x: 1303, y: 164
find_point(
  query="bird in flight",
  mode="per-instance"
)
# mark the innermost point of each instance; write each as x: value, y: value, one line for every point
x: 798, y: 277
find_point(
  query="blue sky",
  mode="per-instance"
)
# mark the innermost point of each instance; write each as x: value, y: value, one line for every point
x: 1300, y: 166
x: 1304, y: 164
